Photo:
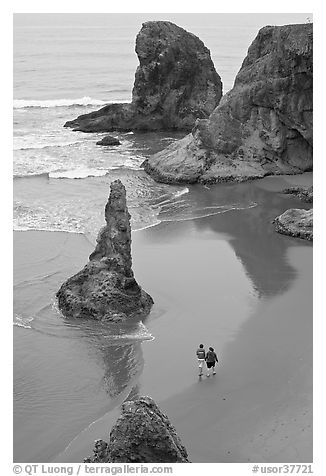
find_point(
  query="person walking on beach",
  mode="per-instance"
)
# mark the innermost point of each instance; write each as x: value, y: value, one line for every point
x: 201, y: 354
x: 211, y: 359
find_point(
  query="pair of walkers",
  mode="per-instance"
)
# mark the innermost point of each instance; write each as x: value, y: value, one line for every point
x: 209, y: 357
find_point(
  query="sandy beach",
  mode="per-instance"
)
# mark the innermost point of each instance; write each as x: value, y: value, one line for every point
x: 200, y: 107
x: 259, y: 406
x: 228, y: 281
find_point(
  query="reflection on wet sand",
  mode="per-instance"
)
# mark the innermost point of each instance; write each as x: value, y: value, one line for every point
x: 261, y: 251
x: 122, y: 366
x: 68, y: 374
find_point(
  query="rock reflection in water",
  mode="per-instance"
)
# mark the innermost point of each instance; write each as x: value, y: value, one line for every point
x: 123, y: 364
x: 252, y: 236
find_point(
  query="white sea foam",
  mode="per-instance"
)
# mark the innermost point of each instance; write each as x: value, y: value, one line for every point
x: 181, y: 192
x: 17, y: 227
x: 150, y: 225
x: 21, y: 321
x: 30, y: 174
x: 81, y: 173
x: 206, y: 212
x: 169, y: 200
x: 129, y: 163
x: 84, y: 101
x: 31, y: 142
x: 141, y: 333
x: 78, y: 173
x: 66, y: 229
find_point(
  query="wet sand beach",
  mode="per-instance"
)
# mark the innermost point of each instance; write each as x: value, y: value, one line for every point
x: 226, y: 280
x: 258, y: 408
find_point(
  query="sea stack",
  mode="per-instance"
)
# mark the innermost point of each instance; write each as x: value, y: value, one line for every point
x: 105, y: 289
x: 263, y: 126
x: 175, y: 83
x: 142, y: 434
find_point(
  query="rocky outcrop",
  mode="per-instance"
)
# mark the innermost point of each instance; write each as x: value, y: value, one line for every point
x: 142, y: 434
x: 108, y: 140
x: 175, y: 83
x: 305, y: 194
x: 295, y: 222
x: 105, y: 289
x: 263, y: 126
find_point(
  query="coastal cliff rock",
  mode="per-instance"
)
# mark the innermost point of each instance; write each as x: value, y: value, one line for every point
x: 175, y: 83
x: 142, y: 434
x: 105, y: 289
x: 295, y: 222
x: 263, y: 126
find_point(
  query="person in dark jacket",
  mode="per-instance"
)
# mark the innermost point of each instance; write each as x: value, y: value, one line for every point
x: 201, y: 354
x: 211, y: 359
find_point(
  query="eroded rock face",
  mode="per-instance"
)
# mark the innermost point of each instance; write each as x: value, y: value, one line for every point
x: 105, y: 289
x: 295, y: 222
x: 263, y: 126
x: 175, y: 83
x: 142, y: 434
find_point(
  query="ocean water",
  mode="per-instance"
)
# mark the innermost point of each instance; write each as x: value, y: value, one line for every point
x: 66, y: 65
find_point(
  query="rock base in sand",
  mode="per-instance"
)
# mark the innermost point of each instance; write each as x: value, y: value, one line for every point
x: 105, y: 289
x: 295, y: 222
x: 142, y: 434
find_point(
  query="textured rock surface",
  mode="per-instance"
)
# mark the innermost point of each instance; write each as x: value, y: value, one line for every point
x: 105, y: 289
x: 142, y: 434
x: 295, y: 222
x: 175, y: 83
x: 305, y: 194
x: 263, y: 126
x: 108, y: 140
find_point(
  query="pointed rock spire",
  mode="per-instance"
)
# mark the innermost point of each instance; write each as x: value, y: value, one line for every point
x: 105, y: 289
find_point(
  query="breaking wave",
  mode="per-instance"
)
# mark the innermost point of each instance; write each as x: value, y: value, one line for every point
x: 84, y: 101
x: 85, y: 173
x: 78, y: 173
x: 30, y: 143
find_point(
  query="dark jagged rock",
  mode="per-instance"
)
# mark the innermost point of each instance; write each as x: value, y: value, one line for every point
x: 142, y: 434
x: 105, y: 289
x: 295, y: 222
x: 108, y: 140
x: 305, y: 194
x: 263, y: 126
x: 175, y: 83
